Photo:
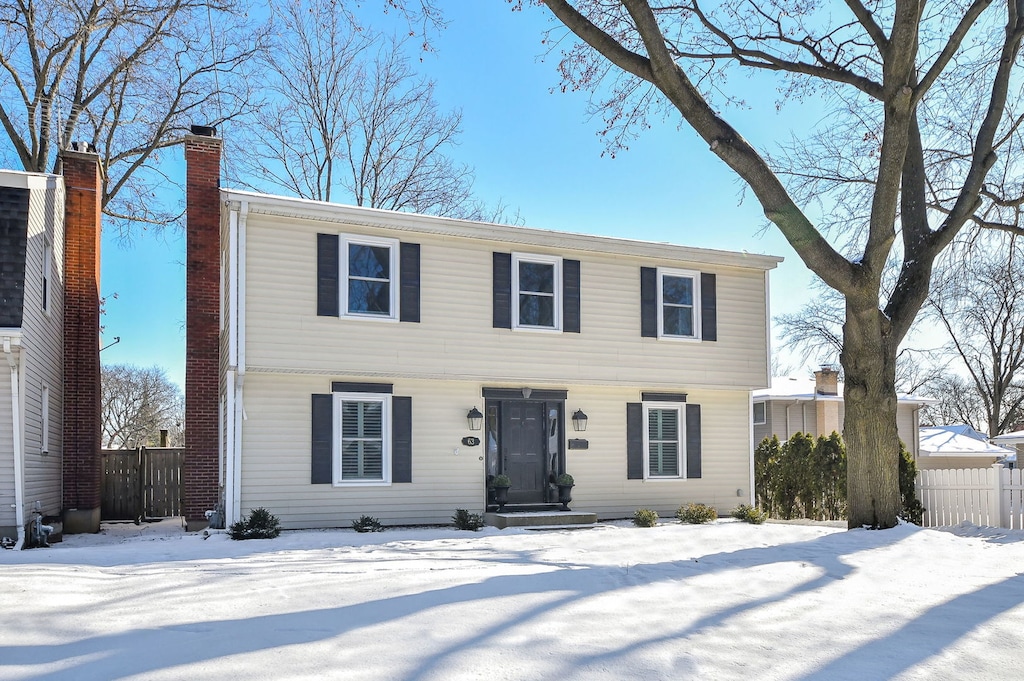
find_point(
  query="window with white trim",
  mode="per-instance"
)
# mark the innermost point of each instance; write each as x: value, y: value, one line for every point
x: 537, y: 291
x: 678, y: 304
x: 760, y: 414
x: 369, y: 269
x: 363, y: 438
x: 663, y: 440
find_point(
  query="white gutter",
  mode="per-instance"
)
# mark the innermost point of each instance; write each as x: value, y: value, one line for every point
x: 236, y: 362
x: 19, y: 455
x: 750, y: 426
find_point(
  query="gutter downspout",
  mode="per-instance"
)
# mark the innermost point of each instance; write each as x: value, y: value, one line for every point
x: 19, y: 455
x: 235, y: 379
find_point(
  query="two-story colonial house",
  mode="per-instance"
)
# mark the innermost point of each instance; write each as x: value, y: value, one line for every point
x: 391, y: 364
x: 31, y: 337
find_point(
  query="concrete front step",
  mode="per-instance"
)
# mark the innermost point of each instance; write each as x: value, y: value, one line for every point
x: 539, y: 518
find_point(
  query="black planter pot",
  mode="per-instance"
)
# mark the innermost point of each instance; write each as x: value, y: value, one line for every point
x: 565, y: 496
x: 501, y: 496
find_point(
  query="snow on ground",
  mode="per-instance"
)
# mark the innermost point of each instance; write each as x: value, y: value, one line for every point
x: 721, y: 601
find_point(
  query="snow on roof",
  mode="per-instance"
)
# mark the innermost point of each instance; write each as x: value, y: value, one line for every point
x: 1014, y: 438
x: 796, y: 388
x: 964, y: 429
x: 944, y: 441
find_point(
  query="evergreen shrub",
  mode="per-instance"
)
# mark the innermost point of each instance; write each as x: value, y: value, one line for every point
x: 259, y: 524
x: 367, y: 523
x: 464, y: 520
x: 696, y: 514
x: 645, y: 517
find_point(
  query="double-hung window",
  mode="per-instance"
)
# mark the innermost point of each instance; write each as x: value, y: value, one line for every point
x: 663, y: 440
x: 363, y: 445
x: 678, y: 304
x: 537, y: 287
x: 368, y: 277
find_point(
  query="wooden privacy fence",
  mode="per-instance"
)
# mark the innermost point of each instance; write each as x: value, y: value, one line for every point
x: 142, y: 483
x: 992, y: 497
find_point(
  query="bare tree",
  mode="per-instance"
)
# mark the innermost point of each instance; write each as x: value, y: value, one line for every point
x: 128, y: 77
x: 981, y: 306
x: 924, y: 142
x: 349, y: 119
x: 137, y: 403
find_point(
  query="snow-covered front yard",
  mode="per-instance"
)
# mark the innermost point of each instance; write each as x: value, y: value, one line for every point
x: 720, y: 601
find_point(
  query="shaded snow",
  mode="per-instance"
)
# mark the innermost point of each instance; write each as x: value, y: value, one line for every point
x: 720, y: 601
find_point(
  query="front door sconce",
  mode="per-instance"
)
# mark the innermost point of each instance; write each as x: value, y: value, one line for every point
x: 579, y: 421
x: 475, y: 419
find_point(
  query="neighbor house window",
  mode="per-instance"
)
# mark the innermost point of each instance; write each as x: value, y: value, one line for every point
x: 678, y: 304
x: 663, y: 440
x: 363, y: 422
x: 368, y: 275
x: 47, y: 273
x: 44, y: 421
x: 760, y: 416
x: 537, y: 287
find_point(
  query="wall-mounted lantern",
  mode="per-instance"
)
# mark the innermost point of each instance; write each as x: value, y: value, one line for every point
x: 579, y: 421
x: 475, y: 419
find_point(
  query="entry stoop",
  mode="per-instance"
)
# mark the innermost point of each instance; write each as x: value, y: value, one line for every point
x: 540, y: 519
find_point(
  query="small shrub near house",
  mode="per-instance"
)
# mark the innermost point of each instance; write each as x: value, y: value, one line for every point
x: 749, y: 514
x: 464, y: 520
x: 645, y: 517
x: 696, y: 514
x: 367, y: 523
x: 259, y: 524
x: 913, y: 509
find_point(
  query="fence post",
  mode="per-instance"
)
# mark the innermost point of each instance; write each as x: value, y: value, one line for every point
x: 997, y: 494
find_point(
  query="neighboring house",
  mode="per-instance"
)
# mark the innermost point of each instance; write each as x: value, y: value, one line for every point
x: 390, y: 364
x: 815, y: 405
x: 31, y: 337
x: 1014, y: 441
x: 957, y: 446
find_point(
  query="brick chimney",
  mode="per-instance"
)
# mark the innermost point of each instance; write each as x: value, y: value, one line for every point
x: 826, y: 384
x: 202, y: 324
x: 82, y: 440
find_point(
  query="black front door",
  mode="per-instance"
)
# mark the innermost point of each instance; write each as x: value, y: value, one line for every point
x: 524, y: 459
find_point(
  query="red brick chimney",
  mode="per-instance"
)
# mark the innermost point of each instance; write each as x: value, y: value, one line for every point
x: 202, y: 324
x: 82, y: 440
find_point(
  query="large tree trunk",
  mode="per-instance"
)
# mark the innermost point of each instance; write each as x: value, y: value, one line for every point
x: 872, y: 442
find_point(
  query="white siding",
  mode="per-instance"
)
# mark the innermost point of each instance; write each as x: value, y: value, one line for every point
x: 455, y: 338
x: 7, y: 517
x: 277, y: 440
x: 43, y: 350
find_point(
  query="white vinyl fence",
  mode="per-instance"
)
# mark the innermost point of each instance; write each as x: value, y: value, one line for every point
x: 992, y: 497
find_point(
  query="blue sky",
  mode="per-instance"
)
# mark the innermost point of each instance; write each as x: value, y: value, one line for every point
x: 531, y: 148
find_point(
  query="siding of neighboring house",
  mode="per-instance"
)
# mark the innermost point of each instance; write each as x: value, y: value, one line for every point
x: 952, y: 462
x: 786, y: 417
x: 40, y: 355
x: 43, y: 333
x: 7, y: 516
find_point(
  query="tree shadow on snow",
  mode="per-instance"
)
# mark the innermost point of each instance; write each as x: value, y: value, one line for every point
x: 147, y: 650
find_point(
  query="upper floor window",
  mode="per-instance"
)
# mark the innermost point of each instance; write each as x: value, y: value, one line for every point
x: 678, y: 304
x: 760, y: 415
x: 368, y: 277
x: 537, y: 285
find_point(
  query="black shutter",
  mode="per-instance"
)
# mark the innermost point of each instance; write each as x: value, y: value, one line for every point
x: 571, y: 296
x: 648, y: 302
x: 634, y: 441
x: 401, y: 439
x: 323, y: 426
x: 708, y: 307
x: 693, y: 441
x: 327, y: 273
x: 13, y: 247
x: 503, y: 290
x: 409, y: 272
